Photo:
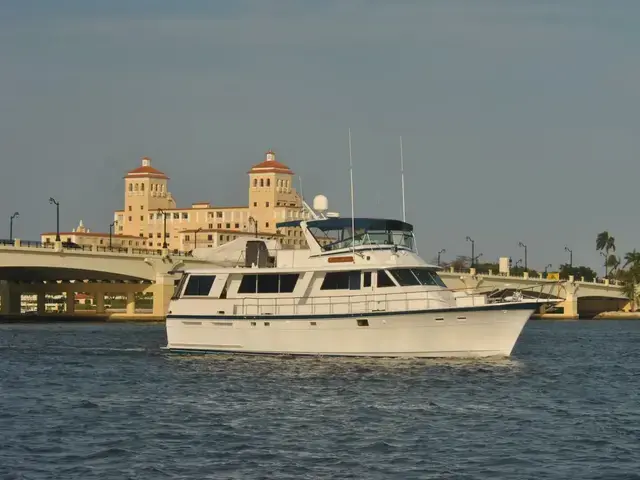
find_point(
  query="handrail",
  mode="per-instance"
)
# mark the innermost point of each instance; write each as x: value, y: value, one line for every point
x: 387, y: 302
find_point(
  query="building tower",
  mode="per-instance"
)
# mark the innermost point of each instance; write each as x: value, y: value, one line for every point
x: 270, y: 187
x: 145, y: 191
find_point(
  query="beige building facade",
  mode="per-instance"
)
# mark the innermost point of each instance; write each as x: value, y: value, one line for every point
x: 151, y: 215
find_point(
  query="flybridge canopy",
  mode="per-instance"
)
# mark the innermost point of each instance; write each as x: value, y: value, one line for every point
x: 336, y: 233
x: 366, y: 224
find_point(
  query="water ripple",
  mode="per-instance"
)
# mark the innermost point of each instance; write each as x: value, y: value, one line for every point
x: 93, y: 401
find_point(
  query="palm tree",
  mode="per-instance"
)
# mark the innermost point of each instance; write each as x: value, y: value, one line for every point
x: 630, y: 286
x: 606, y: 242
x: 613, y: 262
x: 632, y: 258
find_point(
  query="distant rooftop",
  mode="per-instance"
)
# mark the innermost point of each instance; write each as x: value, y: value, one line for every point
x: 146, y: 170
x: 270, y: 165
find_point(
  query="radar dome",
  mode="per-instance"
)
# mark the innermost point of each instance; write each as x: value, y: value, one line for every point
x: 320, y: 203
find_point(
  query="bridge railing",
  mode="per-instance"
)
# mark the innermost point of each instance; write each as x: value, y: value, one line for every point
x: 467, y: 272
x: 65, y: 246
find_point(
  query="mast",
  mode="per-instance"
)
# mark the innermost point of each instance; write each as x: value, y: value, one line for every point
x: 353, y: 219
x: 404, y: 215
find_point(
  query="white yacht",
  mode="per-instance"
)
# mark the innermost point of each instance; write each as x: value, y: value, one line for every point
x: 362, y: 294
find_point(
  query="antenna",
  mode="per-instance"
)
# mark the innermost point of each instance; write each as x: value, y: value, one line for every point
x: 300, y: 182
x: 353, y: 219
x: 404, y: 215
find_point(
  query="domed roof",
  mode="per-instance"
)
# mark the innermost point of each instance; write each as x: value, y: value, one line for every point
x: 270, y: 165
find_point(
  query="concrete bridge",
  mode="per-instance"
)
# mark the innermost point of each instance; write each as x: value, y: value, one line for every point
x: 580, y: 298
x: 37, y: 268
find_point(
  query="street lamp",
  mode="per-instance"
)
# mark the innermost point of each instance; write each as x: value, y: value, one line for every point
x: 473, y: 250
x: 567, y: 249
x: 520, y: 244
x: 164, y: 227
x: 440, y: 253
x: 255, y: 223
x: 519, y: 261
x: 15, y: 215
x: 475, y: 260
x: 57, y: 204
x: 111, y: 233
x: 547, y: 268
x: 195, y: 238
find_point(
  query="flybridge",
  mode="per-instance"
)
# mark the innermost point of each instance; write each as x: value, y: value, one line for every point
x: 337, y: 233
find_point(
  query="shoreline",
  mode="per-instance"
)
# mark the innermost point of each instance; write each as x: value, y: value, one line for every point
x: 82, y: 317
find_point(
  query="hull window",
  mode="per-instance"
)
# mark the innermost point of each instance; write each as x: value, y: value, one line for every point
x: 363, y: 322
x: 199, y: 285
x: 366, y: 279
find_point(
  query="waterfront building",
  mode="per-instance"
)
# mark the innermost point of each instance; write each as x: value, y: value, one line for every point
x: 151, y: 213
x: 151, y: 217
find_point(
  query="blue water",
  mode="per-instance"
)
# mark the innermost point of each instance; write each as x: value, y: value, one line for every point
x: 101, y: 401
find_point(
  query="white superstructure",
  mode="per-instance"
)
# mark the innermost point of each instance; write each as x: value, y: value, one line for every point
x: 362, y: 294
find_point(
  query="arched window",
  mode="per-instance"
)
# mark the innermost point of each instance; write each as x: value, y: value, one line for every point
x: 162, y: 187
x: 142, y: 187
x: 262, y: 182
x: 136, y: 188
x: 268, y: 182
x: 255, y: 182
x: 131, y: 187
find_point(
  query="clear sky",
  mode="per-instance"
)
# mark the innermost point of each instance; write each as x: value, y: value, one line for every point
x: 520, y: 118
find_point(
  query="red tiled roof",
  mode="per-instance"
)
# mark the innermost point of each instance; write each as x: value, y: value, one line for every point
x: 270, y: 166
x: 146, y: 171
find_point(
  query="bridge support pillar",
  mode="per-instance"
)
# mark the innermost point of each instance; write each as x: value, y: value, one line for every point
x: 162, y: 292
x: 11, y: 298
x: 71, y: 301
x: 42, y: 303
x: 100, y: 302
x: 570, y: 304
x: 131, y: 303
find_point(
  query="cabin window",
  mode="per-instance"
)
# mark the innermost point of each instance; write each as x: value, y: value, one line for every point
x: 288, y: 282
x: 199, y: 285
x: 428, y: 277
x: 268, y: 283
x: 349, y: 280
x: 179, y: 286
x: 366, y: 279
x: 405, y: 277
x: 384, y: 280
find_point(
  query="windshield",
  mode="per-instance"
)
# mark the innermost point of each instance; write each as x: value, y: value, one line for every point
x: 342, y: 238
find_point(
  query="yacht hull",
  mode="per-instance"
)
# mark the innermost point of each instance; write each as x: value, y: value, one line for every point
x: 487, y: 331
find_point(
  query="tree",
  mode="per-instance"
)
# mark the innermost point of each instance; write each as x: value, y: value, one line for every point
x: 631, y: 258
x: 461, y: 262
x: 578, y: 272
x: 630, y: 285
x: 606, y: 243
x: 613, y: 262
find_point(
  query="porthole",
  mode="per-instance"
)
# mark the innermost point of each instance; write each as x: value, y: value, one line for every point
x: 363, y: 322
